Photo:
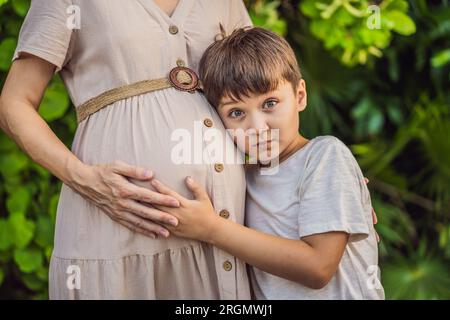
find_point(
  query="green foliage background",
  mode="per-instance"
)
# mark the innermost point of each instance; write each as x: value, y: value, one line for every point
x: 382, y: 86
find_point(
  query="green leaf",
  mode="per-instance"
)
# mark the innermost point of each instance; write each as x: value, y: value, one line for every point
x: 43, y: 173
x: 54, y: 103
x: 7, y: 48
x: 12, y: 27
x: 2, y: 2
x: 19, y: 200
x: 395, y: 114
x: 376, y: 121
x: 5, y: 256
x: 28, y: 260
x: 343, y: 18
x: 44, y: 231
x: 42, y: 273
x: 401, y: 22
x: 22, y: 230
x: 33, y: 282
x: 389, y: 234
x: 6, y: 144
x: 12, y: 182
x: 320, y: 28
x: 12, y: 163
x: 400, y: 5
x: 21, y: 7
x: 48, y: 252
x: 265, y: 14
x: 2, y: 276
x: 53, y: 206
x: 5, y: 236
x: 309, y: 8
x: 423, y: 278
x: 441, y: 58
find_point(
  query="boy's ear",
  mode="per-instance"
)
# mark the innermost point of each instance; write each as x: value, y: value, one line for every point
x: 301, y: 96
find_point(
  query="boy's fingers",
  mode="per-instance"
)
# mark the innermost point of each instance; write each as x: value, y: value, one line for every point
x: 374, y: 216
x: 366, y: 180
x: 168, y: 210
x: 196, y: 189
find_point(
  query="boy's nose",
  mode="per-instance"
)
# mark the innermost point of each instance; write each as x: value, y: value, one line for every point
x: 259, y: 124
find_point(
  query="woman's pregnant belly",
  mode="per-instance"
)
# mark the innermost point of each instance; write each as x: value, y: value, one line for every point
x: 162, y: 131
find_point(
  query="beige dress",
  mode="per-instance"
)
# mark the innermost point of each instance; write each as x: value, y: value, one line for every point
x: 118, y: 43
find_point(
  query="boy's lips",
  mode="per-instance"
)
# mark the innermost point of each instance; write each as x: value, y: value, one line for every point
x: 263, y: 144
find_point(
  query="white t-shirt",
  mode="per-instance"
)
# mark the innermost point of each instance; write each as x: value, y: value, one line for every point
x: 320, y: 188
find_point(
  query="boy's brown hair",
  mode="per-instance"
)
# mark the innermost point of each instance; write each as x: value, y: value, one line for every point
x: 249, y: 61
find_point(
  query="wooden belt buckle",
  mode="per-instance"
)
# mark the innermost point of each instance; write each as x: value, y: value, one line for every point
x: 184, y: 79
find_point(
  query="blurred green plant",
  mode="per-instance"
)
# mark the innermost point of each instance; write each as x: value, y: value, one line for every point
x: 425, y: 134
x: 394, y: 112
x: 28, y: 193
x: 420, y: 275
x: 264, y: 14
x: 356, y: 30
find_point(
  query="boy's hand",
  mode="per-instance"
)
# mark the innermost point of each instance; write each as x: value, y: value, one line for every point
x: 196, y: 218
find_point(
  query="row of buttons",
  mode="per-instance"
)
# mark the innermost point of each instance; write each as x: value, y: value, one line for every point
x: 218, y: 167
x: 174, y: 30
x: 227, y: 265
x: 209, y: 123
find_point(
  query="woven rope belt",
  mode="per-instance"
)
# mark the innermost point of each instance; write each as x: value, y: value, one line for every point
x: 180, y: 78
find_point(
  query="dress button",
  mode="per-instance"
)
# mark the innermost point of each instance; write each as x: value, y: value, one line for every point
x: 173, y: 29
x: 218, y: 167
x: 208, y: 122
x: 224, y: 214
x: 180, y: 63
x: 227, y: 266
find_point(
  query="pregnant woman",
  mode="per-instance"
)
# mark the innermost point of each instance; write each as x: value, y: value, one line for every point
x: 123, y: 67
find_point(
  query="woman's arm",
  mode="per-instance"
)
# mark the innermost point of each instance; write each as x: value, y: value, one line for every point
x: 311, y: 261
x: 21, y: 95
x: 104, y: 185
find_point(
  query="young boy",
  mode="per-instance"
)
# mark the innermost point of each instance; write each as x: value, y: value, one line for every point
x: 309, y: 231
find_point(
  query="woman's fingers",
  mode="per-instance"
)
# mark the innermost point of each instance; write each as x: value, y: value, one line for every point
x: 131, y: 171
x: 133, y: 228
x: 152, y: 197
x: 149, y: 213
x: 140, y: 223
x: 128, y: 203
x: 160, y: 187
x: 197, y: 190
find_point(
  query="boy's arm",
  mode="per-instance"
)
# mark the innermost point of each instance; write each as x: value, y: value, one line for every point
x: 311, y: 261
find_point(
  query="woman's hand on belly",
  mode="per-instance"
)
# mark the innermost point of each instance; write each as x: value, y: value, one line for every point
x: 107, y: 186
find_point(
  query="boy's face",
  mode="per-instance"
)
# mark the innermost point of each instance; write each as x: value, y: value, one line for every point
x: 269, y: 122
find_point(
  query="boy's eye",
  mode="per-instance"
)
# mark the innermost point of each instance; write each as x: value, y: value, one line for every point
x: 236, y: 113
x: 269, y: 104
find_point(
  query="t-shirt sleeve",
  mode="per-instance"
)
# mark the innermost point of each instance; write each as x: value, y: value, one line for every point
x: 238, y: 16
x: 45, y: 32
x: 333, y: 194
